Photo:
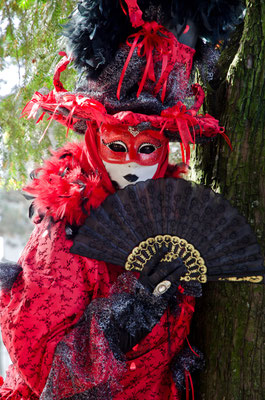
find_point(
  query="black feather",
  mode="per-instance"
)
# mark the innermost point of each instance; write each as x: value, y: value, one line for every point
x: 27, y: 196
x: 31, y: 210
x: 8, y: 274
x: 94, y: 32
x: 215, y: 18
x: 97, y: 27
x: 33, y: 174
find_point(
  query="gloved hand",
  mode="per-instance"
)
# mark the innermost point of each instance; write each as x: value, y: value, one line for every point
x: 156, y: 275
x: 162, y: 277
x: 153, y: 275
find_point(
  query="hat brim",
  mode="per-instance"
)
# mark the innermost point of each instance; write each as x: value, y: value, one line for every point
x: 75, y: 111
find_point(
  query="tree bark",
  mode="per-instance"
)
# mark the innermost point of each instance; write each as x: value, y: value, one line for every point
x: 229, y: 321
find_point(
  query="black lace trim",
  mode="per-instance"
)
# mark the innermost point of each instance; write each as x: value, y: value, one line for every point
x: 8, y: 274
x: 134, y: 313
x: 186, y: 361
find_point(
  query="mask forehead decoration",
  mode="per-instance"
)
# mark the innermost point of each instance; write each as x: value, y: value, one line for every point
x: 133, y: 131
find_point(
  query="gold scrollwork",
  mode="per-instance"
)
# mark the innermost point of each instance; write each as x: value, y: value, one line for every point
x: 252, y: 279
x: 178, y: 247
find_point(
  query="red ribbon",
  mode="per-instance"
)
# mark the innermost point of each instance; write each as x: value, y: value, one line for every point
x: 135, y: 12
x: 187, y: 379
x: 185, y: 156
x: 222, y: 132
x: 199, y: 96
x: 194, y: 352
x: 60, y: 97
x: 184, y: 120
x: 60, y: 67
x: 169, y: 58
x: 151, y: 37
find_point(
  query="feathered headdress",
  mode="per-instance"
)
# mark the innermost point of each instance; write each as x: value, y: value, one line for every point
x: 136, y: 59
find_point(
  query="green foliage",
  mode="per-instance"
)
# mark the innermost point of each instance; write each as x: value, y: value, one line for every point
x: 30, y: 38
x: 24, y: 4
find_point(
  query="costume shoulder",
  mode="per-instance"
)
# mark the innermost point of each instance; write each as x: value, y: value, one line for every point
x: 65, y: 186
x: 48, y: 297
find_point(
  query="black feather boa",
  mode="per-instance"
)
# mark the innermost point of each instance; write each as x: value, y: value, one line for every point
x: 96, y: 28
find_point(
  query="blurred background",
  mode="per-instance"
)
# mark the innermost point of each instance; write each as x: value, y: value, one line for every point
x: 15, y: 229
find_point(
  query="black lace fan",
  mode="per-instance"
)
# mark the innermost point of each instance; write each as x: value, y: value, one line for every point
x: 196, y: 224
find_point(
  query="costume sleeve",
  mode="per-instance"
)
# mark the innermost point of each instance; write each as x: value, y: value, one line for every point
x: 48, y: 297
x: 61, y: 323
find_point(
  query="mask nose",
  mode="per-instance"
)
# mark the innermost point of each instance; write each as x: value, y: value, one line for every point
x: 131, y: 177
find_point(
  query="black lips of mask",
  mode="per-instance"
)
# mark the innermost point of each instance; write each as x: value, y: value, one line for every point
x: 131, y: 177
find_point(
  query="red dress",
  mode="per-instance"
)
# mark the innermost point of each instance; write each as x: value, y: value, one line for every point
x: 49, y: 297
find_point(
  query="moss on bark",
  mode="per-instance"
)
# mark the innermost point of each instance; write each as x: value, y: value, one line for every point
x: 229, y: 324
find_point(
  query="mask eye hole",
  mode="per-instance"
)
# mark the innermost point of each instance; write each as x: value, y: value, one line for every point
x: 147, y: 148
x: 117, y: 146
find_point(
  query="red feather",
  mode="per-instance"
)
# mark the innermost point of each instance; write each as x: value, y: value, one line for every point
x: 66, y: 186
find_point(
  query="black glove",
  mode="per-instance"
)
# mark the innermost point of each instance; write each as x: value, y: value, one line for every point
x: 156, y: 272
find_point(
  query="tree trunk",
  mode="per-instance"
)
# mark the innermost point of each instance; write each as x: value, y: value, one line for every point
x: 229, y: 321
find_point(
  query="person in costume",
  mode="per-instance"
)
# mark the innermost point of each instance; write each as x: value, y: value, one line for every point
x: 78, y: 328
